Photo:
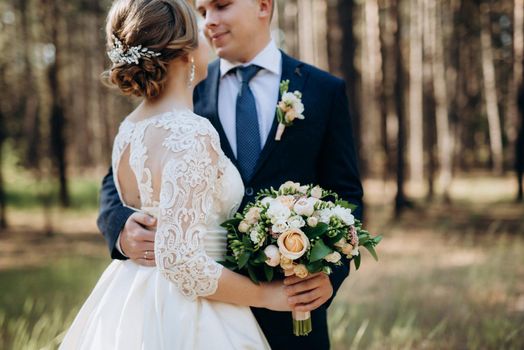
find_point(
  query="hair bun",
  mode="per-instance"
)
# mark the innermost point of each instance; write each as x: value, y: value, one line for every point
x: 145, y: 79
x: 165, y: 27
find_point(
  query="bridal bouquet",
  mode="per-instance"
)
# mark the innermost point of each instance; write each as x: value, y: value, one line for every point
x: 295, y: 230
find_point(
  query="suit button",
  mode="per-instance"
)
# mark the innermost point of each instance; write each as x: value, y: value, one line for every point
x: 249, y: 191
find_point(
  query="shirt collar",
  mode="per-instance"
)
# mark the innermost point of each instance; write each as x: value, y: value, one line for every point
x: 269, y: 59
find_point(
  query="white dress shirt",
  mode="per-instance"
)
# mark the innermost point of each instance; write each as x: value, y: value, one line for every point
x: 264, y: 85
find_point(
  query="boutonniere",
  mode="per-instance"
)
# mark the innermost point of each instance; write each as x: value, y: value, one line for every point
x: 289, y: 108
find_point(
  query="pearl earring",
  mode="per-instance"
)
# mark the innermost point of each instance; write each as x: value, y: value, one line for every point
x: 191, y: 73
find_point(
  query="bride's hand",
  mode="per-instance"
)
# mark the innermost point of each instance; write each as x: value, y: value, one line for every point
x: 274, y: 296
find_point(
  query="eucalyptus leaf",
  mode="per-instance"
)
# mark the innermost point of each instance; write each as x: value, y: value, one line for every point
x: 370, y: 248
x: 319, y: 251
x: 356, y: 259
x: 243, y: 259
x: 315, y: 267
x: 252, y: 274
x: 268, y: 271
x: 317, y: 231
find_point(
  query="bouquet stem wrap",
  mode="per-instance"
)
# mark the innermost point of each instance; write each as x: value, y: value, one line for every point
x: 301, y: 320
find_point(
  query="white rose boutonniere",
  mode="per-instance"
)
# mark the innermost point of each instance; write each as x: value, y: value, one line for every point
x: 289, y: 108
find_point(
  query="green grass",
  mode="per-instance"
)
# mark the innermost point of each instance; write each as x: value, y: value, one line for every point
x: 473, y: 301
x: 37, y: 304
x: 25, y: 194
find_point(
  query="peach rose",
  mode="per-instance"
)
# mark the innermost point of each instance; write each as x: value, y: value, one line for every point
x: 253, y: 215
x: 243, y: 226
x: 285, y: 263
x: 283, y: 106
x: 287, y: 201
x: 293, y: 243
x: 301, y: 271
x: 290, y: 115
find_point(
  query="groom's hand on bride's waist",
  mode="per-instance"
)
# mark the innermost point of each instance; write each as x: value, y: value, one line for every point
x: 137, y: 239
x: 307, y: 294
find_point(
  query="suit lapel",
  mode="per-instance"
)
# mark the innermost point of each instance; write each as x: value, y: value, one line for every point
x: 291, y: 70
x: 212, y: 83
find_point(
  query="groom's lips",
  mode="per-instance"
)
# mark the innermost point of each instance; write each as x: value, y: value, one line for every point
x: 217, y: 36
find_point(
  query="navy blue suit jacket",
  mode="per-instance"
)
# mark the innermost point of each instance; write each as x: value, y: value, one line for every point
x: 317, y: 150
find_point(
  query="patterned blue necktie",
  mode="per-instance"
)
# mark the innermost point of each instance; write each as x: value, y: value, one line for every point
x: 248, y: 135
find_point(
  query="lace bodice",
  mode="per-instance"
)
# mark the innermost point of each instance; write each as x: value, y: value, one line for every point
x: 183, y: 177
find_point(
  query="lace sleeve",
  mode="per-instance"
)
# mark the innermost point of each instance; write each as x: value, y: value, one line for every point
x: 189, y: 180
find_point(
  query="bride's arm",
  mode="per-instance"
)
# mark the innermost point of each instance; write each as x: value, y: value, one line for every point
x: 189, y: 183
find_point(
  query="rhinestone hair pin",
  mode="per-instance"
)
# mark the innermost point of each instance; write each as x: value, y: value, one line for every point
x: 133, y: 54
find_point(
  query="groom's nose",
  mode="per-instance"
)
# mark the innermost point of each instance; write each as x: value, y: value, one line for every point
x: 212, y: 19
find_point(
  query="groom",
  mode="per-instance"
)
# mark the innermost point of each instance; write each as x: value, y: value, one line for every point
x: 239, y: 97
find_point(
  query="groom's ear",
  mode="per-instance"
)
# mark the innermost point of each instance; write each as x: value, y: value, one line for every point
x: 266, y: 9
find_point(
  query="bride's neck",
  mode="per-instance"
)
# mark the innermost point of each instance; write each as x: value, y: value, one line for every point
x: 176, y: 92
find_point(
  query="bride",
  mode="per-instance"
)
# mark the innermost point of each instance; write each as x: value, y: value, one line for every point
x: 167, y: 161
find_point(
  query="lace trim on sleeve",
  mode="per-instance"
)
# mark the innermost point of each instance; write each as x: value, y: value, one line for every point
x: 189, y: 184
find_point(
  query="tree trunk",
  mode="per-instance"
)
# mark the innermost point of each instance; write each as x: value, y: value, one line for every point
x: 490, y: 90
x: 371, y: 68
x: 400, y: 198
x: 512, y: 115
x: 444, y: 139
x: 416, y: 131
x: 57, y: 120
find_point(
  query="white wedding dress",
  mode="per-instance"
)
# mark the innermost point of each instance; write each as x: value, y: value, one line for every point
x: 186, y: 180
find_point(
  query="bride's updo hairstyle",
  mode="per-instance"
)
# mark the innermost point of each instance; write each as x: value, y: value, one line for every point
x: 158, y: 31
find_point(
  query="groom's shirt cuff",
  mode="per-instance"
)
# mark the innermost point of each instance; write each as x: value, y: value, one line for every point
x: 118, y: 247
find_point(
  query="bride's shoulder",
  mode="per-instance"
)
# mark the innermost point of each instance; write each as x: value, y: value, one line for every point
x: 188, y: 122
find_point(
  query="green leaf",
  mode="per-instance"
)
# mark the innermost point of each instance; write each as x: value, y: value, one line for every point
x: 370, y: 248
x: 243, y: 259
x: 261, y: 258
x: 252, y: 274
x: 317, y: 231
x: 319, y: 251
x: 268, y: 271
x: 356, y: 259
x: 230, y: 258
x: 231, y: 223
x: 315, y: 266
x: 377, y: 239
x: 337, y: 237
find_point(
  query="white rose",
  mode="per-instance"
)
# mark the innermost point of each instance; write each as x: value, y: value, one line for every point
x: 304, y: 206
x: 316, y: 192
x: 303, y: 189
x: 289, y: 185
x: 344, y: 214
x: 280, y: 226
x: 290, y: 99
x: 312, y: 221
x: 277, y: 211
x: 333, y: 257
x: 273, y: 255
x: 267, y: 200
x: 253, y: 215
x: 325, y: 215
x: 255, y: 237
x: 243, y: 226
x: 296, y: 222
x: 293, y: 244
